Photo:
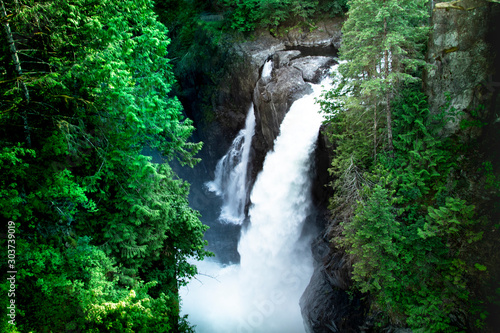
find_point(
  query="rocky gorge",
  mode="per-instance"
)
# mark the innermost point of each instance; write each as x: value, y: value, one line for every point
x: 297, y: 59
x: 217, y: 91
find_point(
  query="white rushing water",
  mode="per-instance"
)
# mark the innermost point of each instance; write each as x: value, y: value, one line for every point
x: 267, y: 69
x: 231, y: 174
x: 262, y: 293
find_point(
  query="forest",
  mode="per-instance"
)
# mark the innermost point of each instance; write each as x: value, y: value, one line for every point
x: 99, y: 237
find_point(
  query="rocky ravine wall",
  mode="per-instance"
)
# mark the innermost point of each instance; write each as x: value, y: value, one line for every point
x: 461, y: 52
x: 464, y: 49
x: 218, y: 77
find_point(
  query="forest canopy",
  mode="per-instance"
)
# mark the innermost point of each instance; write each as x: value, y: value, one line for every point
x: 102, y: 234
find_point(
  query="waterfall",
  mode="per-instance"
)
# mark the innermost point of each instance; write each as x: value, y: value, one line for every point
x: 267, y: 69
x: 275, y: 264
x: 261, y: 294
x: 231, y: 174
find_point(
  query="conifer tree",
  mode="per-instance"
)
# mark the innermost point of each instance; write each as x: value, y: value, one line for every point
x: 99, y: 83
x: 382, y: 40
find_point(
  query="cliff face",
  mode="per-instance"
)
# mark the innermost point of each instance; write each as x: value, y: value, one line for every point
x: 464, y: 50
x: 461, y: 52
x: 220, y: 78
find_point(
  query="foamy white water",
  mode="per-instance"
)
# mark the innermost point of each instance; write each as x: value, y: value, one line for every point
x: 267, y: 69
x: 262, y: 293
x: 231, y: 174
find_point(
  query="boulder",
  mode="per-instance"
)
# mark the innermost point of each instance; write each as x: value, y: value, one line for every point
x: 313, y: 68
x: 325, y: 33
x: 282, y: 58
x: 326, y: 305
x: 272, y: 99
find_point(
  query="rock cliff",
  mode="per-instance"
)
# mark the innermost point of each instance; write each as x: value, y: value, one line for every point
x: 461, y: 51
x: 220, y: 78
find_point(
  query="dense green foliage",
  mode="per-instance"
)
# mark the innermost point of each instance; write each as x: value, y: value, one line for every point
x: 414, y: 235
x: 104, y: 236
x: 91, y: 89
x: 247, y: 15
x: 411, y: 233
x: 78, y: 289
x: 409, y: 218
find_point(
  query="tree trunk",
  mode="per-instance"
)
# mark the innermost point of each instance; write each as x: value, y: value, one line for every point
x: 389, y: 121
x: 375, y: 134
x: 17, y: 66
x: 387, y: 93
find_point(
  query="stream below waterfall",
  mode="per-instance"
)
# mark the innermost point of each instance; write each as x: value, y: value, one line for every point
x: 261, y: 293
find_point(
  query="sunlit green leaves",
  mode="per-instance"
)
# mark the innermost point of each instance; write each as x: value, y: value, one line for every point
x: 100, y: 92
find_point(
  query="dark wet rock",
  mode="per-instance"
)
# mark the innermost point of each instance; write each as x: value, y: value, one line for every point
x: 274, y: 95
x: 272, y: 100
x: 321, y: 190
x: 313, y: 68
x: 325, y: 304
x: 282, y: 58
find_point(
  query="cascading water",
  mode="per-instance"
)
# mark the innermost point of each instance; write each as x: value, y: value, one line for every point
x: 267, y: 69
x: 262, y: 293
x: 231, y: 174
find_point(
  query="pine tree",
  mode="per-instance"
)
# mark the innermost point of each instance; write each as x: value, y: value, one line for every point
x: 382, y: 40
